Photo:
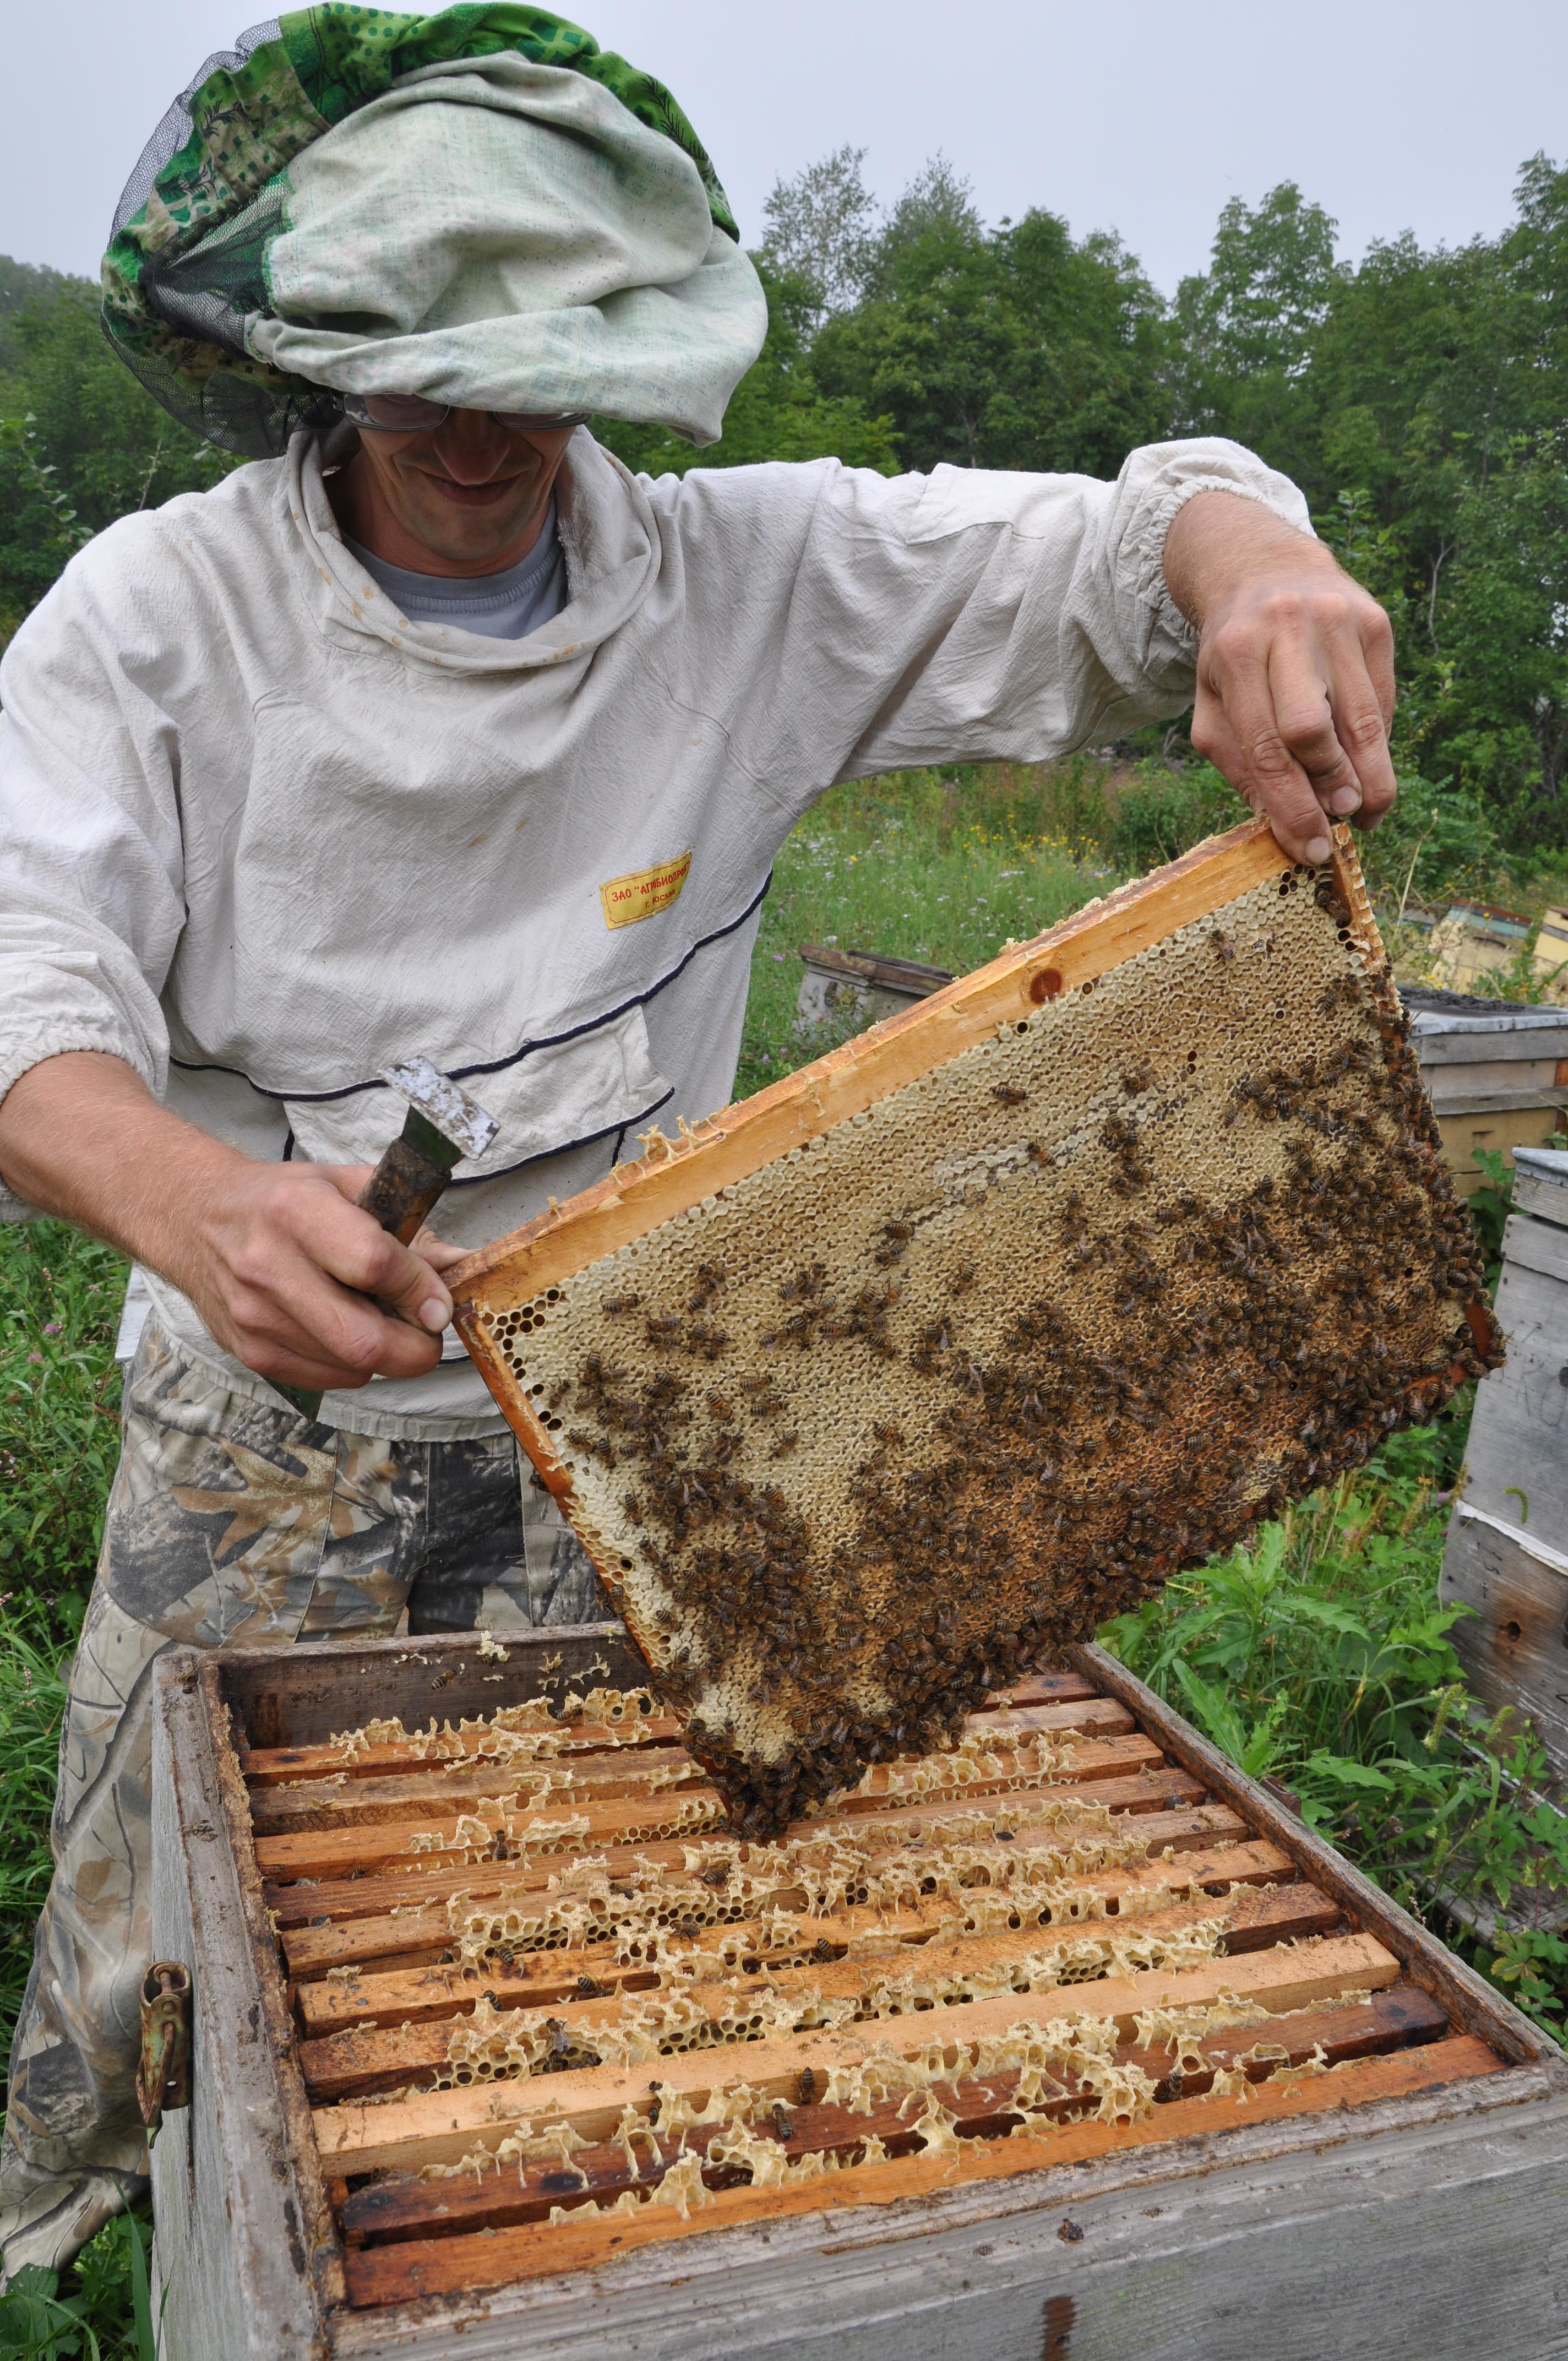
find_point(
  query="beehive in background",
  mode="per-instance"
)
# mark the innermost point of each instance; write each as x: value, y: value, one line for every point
x: 939, y: 1351
x: 1549, y: 960
x: 1476, y: 940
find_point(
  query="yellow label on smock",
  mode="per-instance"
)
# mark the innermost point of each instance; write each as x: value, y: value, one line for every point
x: 644, y: 893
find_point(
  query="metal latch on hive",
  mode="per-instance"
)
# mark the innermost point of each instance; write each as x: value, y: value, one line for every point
x: 163, y: 2066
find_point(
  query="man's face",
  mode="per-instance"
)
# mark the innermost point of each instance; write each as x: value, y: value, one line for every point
x: 466, y: 497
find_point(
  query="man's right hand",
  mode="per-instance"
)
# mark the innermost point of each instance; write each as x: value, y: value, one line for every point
x: 277, y: 1258
x: 284, y: 1265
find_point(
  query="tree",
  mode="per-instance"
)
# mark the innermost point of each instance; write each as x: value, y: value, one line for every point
x: 1498, y: 722
x: 21, y: 283
x: 1013, y: 347
x: 1247, y: 327
x: 938, y: 202
x: 821, y: 232
x: 1437, y: 388
x: 80, y: 443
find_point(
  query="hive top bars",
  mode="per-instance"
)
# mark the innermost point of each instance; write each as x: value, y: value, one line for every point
x: 928, y: 1358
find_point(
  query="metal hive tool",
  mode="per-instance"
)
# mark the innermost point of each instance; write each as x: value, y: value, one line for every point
x: 930, y: 1357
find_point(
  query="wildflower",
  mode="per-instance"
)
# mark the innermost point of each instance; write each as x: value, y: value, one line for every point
x: 52, y: 1327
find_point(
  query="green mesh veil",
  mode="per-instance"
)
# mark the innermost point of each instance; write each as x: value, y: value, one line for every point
x: 185, y: 267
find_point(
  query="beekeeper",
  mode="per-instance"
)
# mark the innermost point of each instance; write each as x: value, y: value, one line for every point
x: 436, y: 731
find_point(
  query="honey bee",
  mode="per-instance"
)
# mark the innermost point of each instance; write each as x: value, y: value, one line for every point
x: 1005, y: 1095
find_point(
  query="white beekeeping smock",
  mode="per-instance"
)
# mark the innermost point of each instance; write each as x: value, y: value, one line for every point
x: 261, y: 835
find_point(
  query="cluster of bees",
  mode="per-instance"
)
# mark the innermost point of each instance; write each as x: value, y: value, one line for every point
x: 1052, y: 1480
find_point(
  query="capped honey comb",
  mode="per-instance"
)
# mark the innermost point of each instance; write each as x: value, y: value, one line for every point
x: 889, y: 1381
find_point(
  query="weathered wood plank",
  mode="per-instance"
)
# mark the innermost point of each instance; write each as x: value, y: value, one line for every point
x: 1540, y: 1185
x: 1514, y: 1643
x: 1538, y: 1245
x: 407, y: 1996
x: 366, y: 2057
x: 1479, y: 1083
x: 1517, y: 1457
x: 1548, y: 1045
x: 1474, y: 2004
x: 250, y: 2275
x: 1056, y: 1687
x: 439, y: 2127
x: 1390, y: 2213
x: 404, y: 2207
x: 411, y: 2267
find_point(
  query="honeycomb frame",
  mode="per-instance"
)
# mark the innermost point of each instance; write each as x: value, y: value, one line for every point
x: 882, y: 1385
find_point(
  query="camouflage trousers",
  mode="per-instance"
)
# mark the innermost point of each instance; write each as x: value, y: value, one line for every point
x: 230, y: 1523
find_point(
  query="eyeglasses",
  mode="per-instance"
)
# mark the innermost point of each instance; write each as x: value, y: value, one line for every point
x: 411, y: 414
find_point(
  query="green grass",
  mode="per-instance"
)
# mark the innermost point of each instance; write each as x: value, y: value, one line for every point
x: 100, y: 2310
x: 59, y: 1297
x: 1317, y: 1656
x: 59, y: 1300
x: 1320, y: 1657
x: 60, y: 1396
x: 943, y: 865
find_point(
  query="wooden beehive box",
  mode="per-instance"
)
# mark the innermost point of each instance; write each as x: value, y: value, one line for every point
x: 1506, y: 1553
x: 1361, y: 2151
x: 1497, y: 1072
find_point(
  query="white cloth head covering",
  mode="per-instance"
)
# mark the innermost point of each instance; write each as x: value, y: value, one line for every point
x: 502, y: 235
x: 481, y: 205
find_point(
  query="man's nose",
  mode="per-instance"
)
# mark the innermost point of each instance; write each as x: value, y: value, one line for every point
x: 471, y: 446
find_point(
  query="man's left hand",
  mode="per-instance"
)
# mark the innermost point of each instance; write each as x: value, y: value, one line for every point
x: 1294, y: 669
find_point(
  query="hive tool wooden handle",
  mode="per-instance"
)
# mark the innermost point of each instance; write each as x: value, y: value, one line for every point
x: 442, y: 1125
x: 410, y: 1178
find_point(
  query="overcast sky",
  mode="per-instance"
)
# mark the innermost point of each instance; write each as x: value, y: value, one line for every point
x: 1393, y: 114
